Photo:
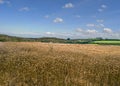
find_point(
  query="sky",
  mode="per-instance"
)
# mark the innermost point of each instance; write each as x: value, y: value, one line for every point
x: 60, y: 18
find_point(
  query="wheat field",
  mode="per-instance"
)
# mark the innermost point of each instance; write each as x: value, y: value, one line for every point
x: 48, y: 64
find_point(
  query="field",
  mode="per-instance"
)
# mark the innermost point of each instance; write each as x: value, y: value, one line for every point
x: 48, y: 64
x: 107, y: 42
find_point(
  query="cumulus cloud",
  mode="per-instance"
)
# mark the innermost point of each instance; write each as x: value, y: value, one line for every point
x: 78, y: 34
x: 86, y: 32
x: 100, y: 21
x: 24, y: 9
x: 97, y: 26
x: 100, y: 25
x: 79, y: 30
x: 90, y: 25
x: 49, y: 33
x: 103, y: 6
x: 58, y: 20
x: 91, y: 31
x: 68, y: 5
x: 107, y: 30
x: 82, y: 33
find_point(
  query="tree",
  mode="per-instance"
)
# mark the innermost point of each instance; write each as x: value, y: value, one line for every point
x: 68, y: 38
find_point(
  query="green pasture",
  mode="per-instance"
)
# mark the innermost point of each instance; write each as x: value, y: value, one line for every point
x: 107, y: 42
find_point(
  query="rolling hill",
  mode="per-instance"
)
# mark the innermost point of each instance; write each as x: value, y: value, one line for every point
x: 7, y: 38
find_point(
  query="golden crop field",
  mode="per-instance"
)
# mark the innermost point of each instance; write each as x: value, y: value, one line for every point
x: 48, y: 64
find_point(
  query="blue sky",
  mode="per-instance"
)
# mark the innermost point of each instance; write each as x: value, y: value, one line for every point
x: 60, y: 18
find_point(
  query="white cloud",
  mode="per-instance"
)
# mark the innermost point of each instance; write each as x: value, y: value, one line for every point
x: 24, y: 9
x: 99, y: 26
x: 102, y: 25
x: 79, y: 30
x: 46, y: 16
x: 81, y: 33
x: 68, y: 5
x: 58, y: 20
x: 100, y: 10
x: 86, y: 32
x: 2, y: 1
x: 91, y: 31
x: 100, y: 21
x: 5, y: 2
x: 107, y: 30
x: 103, y: 6
x: 49, y: 33
x: 90, y: 25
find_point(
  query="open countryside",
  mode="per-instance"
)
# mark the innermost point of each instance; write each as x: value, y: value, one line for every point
x: 59, y: 42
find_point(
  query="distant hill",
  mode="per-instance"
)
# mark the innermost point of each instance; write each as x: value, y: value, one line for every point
x: 6, y: 38
x: 99, y: 40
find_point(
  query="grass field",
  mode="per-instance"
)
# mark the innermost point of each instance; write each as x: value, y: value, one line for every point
x: 47, y: 64
x: 107, y: 42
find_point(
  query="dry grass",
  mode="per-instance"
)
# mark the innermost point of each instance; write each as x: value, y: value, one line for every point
x: 47, y: 64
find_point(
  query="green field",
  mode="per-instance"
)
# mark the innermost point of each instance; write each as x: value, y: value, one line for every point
x: 107, y: 42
